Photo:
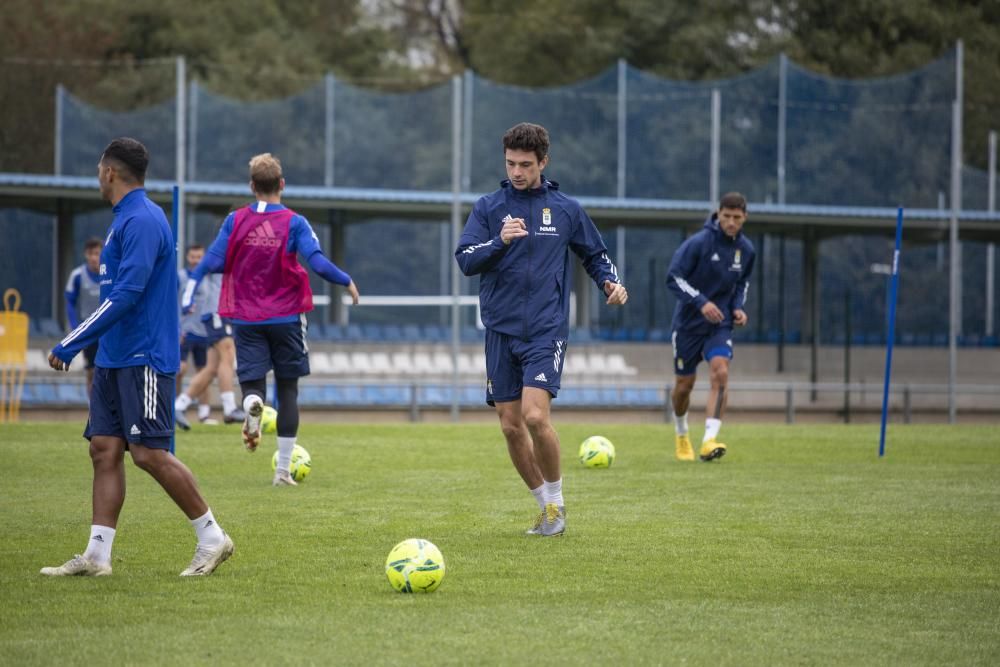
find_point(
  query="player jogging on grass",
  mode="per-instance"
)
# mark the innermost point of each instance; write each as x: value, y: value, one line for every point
x: 219, y: 362
x: 518, y: 240
x: 710, y: 274
x: 131, y: 407
x: 266, y: 294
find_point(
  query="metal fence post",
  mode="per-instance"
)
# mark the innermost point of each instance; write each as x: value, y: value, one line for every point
x: 456, y: 232
x: 414, y: 403
x: 181, y: 158
x: 907, y: 405
x: 789, y: 404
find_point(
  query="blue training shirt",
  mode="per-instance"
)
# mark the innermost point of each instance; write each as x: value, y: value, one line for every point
x: 137, y: 322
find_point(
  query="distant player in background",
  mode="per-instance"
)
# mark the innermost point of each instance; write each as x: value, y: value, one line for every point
x: 266, y: 294
x: 710, y: 274
x: 194, y: 345
x: 220, y: 360
x: 518, y: 240
x: 83, y: 296
x: 133, y: 394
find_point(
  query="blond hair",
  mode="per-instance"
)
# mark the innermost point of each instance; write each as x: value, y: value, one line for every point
x: 265, y: 173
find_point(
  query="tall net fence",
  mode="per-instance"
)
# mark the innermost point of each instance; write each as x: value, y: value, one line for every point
x: 624, y: 132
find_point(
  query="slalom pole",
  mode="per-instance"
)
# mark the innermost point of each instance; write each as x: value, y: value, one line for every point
x: 893, y: 287
x: 174, y: 211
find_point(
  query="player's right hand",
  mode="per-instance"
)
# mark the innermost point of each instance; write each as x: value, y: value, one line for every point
x: 513, y: 228
x: 712, y: 313
x: 56, y: 363
x: 352, y: 289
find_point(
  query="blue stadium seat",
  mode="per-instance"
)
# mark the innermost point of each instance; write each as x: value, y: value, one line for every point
x: 392, y: 333
x: 335, y: 332
x: 71, y: 393
x: 310, y: 394
x: 473, y: 395
x: 411, y: 333
x: 436, y: 333
x: 354, y: 333
x: 580, y: 335
x: 658, y: 335
x: 472, y: 335
x: 939, y: 339
x: 990, y: 341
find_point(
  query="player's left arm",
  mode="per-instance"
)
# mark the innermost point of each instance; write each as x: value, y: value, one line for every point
x: 586, y: 242
x: 139, y: 252
x: 740, y: 293
x: 303, y: 240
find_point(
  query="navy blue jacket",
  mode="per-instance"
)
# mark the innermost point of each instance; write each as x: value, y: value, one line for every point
x: 710, y: 266
x: 524, y: 287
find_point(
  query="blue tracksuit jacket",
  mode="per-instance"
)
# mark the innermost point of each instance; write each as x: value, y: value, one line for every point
x: 524, y: 288
x: 710, y: 266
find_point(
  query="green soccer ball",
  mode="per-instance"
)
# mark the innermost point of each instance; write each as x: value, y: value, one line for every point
x: 299, y: 467
x: 597, y: 452
x: 269, y: 420
x: 415, y: 566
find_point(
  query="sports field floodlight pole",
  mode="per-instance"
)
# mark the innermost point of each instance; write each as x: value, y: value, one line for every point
x: 894, y: 286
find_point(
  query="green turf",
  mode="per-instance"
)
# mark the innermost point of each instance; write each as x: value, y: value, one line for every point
x: 799, y: 547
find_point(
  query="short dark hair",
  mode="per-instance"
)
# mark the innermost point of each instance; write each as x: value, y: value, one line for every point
x: 91, y: 243
x: 733, y: 200
x: 527, y: 137
x: 194, y: 246
x: 130, y: 156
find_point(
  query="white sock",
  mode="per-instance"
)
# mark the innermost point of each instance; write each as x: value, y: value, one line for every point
x: 228, y: 402
x: 249, y: 400
x: 207, y: 529
x: 285, y: 447
x: 204, y: 411
x: 539, y: 495
x: 182, y: 403
x: 681, y: 424
x: 712, y: 427
x: 553, y: 492
x: 99, y: 546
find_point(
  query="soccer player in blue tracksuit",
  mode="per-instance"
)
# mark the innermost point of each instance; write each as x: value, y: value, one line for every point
x: 518, y: 239
x: 131, y: 407
x: 710, y: 274
x: 83, y: 296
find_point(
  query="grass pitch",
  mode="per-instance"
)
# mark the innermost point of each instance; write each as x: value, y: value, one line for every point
x: 799, y: 547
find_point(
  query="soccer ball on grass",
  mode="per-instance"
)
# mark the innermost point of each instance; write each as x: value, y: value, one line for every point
x: 415, y: 566
x: 299, y: 467
x: 597, y: 452
x: 269, y: 420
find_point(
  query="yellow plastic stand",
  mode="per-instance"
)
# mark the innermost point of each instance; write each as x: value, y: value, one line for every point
x: 13, y: 355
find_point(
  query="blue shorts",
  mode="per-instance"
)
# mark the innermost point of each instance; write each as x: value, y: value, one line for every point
x: 217, y: 328
x: 134, y: 403
x: 512, y: 364
x: 263, y: 347
x: 691, y: 347
x: 197, y: 347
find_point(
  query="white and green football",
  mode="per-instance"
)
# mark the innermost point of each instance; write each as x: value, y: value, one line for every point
x: 597, y: 452
x: 415, y: 566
